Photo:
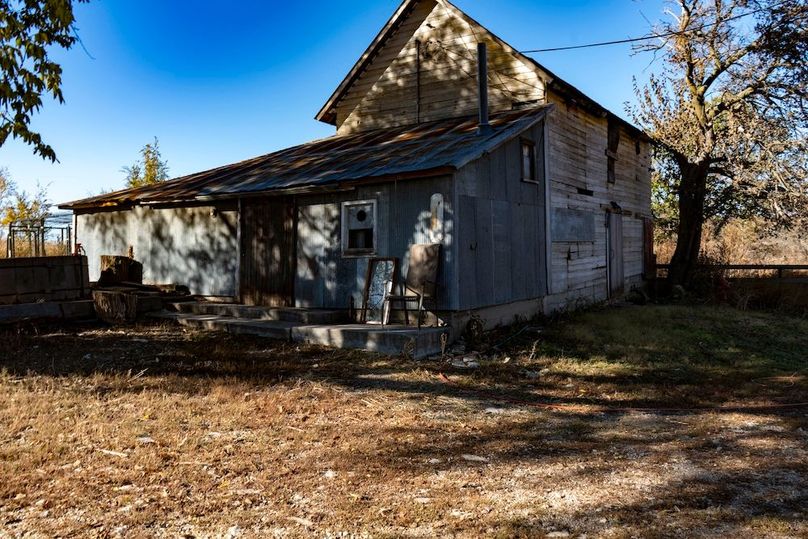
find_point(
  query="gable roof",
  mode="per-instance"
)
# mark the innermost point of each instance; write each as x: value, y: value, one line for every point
x: 327, y: 113
x: 388, y: 154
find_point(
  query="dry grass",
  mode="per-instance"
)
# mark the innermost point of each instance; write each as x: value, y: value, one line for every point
x: 157, y: 431
x: 746, y: 242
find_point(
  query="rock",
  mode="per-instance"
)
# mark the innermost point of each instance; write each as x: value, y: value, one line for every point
x: 473, y: 458
x: 146, y: 440
x: 434, y: 461
x: 302, y: 521
x: 467, y: 362
x: 423, y: 500
x: 330, y: 474
x: 530, y: 375
x: 558, y: 534
x: 493, y: 410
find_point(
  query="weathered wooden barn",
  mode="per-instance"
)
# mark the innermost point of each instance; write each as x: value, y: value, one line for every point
x: 546, y: 208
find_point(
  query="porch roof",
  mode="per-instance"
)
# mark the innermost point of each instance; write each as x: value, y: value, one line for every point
x: 395, y: 153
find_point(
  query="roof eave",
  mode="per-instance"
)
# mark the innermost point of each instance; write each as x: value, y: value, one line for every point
x: 314, y: 188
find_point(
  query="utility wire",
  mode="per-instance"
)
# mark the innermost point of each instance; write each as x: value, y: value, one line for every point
x: 651, y: 36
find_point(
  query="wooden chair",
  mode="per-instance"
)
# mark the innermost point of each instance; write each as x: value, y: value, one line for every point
x: 421, y: 283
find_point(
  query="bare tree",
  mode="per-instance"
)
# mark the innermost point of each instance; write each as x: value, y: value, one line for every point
x: 728, y: 113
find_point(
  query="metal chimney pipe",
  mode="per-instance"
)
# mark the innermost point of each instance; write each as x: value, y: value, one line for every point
x: 482, y: 85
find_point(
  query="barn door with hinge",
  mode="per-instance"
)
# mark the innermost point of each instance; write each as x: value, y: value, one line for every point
x: 614, y: 232
x: 268, y: 252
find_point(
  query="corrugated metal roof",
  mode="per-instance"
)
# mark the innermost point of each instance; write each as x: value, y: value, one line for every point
x: 445, y: 144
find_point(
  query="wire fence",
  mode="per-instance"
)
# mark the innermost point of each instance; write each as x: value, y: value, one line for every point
x: 49, y: 236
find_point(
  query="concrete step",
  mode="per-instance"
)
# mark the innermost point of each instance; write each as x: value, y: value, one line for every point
x: 287, y: 314
x: 271, y: 329
x: 389, y: 340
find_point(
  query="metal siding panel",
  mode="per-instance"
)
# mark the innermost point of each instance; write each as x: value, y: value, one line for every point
x: 468, y: 252
x: 403, y: 213
x: 502, y: 231
x: 485, y: 253
x: 317, y: 253
x: 175, y: 245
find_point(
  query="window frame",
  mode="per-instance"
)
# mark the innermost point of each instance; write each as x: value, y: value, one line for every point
x: 613, y: 137
x: 347, y: 252
x: 534, y: 168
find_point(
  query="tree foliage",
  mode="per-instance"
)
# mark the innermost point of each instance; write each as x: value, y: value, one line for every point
x: 150, y: 169
x: 728, y: 114
x: 17, y: 205
x: 29, y: 30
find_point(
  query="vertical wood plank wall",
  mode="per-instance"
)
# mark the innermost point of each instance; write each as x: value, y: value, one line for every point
x: 267, y: 254
x: 500, y: 229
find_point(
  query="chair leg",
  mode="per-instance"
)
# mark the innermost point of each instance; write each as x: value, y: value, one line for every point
x: 420, y: 309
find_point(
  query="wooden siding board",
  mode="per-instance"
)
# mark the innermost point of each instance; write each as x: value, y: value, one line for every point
x: 267, y: 274
x: 196, y: 246
x: 578, y: 161
x: 385, y: 95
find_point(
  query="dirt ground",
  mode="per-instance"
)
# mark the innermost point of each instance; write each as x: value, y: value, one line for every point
x: 657, y: 421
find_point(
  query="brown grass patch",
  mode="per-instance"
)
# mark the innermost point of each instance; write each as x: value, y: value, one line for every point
x: 156, y: 431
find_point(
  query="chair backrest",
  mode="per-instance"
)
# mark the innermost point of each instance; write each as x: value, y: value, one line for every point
x: 422, y: 273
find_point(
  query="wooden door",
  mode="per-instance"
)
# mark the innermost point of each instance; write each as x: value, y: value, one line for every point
x: 615, y: 253
x: 268, y: 252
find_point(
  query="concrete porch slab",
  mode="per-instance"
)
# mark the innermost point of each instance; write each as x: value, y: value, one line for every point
x: 235, y: 310
x: 271, y: 329
x: 389, y: 340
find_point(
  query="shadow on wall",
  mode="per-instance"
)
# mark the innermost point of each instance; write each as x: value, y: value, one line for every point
x: 441, y: 55
x: 196, y: 247
x: 327, y: 278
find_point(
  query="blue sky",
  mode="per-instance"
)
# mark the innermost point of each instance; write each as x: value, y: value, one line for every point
x: 218, y: 82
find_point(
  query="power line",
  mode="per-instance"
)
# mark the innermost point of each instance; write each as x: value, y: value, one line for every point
x: 649, y: 37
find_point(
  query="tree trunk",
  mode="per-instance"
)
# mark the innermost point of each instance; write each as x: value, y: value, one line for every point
x: 692, y: 194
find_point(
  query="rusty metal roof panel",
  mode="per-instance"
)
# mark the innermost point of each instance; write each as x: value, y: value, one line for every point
x: 373, y: 154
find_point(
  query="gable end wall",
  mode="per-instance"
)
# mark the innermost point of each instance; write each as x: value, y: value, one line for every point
x: 387, y: 92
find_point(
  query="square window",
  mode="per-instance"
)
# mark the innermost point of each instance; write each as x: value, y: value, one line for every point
x: 528, y: 161
x: 359, y: 228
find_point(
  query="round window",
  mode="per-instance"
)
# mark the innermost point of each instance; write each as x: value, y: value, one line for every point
x: 361, y: 215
